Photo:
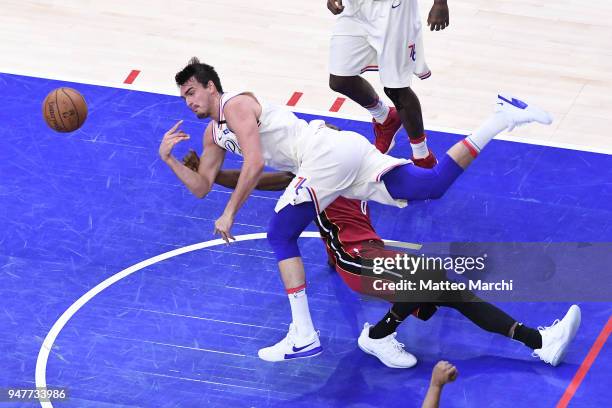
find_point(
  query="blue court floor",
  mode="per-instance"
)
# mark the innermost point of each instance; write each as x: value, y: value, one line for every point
x: 77, y: 209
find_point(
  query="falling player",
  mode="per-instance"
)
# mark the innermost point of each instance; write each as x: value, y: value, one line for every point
x: 326, y: 163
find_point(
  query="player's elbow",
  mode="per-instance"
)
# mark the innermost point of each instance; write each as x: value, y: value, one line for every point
x: 202, y: 189
x: 201, y: 193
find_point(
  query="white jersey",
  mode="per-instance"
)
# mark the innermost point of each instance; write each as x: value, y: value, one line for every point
x: 280, y: 131
x: 326, y: 163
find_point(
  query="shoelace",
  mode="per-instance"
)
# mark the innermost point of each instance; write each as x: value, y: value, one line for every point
x: 549, y: 327
x: 290, y: 338
x: 396, y: 346
x: 540, y: 328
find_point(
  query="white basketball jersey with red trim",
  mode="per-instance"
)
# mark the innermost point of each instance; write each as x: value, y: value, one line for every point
x: 326, y: 163
x: 279, y: 129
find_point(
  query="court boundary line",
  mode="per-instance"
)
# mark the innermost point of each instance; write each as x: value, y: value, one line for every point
x: 60, y: 323
x: 586, y: 365
x: 359, y: 118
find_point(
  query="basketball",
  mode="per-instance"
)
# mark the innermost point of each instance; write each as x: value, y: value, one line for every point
x: 64, y: 110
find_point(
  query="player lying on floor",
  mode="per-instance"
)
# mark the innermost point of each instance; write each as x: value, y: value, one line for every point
x: 353, y: 243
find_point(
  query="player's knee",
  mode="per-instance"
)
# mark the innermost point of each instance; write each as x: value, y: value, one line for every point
x: 276, y: 237
x: 446, y: 172
x: 438, y: 189
x: 395, y: 94
x: 402, y: 97
x: 283, y: 244
x: 437, y: 192
x: 339, y: 83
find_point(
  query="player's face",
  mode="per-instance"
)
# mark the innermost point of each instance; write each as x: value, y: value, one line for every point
x: 197, y: 97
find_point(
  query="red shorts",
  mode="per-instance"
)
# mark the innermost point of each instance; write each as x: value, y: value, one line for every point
x: 349, y: 266
x: 354, y: 265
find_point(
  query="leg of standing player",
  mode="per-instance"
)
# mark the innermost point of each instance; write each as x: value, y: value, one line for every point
x: 383, y: 36
x: 285, y: 227
x: 400, y: 57
x: 349, y: 57
x: 352, y: 53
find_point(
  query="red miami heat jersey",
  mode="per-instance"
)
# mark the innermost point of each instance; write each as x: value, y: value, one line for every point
x: 345, y: 223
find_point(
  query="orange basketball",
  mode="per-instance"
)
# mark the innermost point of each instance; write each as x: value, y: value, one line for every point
x: 64, y: 110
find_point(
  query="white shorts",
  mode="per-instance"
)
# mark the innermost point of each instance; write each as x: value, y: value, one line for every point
x: 383, y: 35
x: 339, y: 163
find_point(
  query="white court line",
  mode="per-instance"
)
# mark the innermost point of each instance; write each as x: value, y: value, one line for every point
x: 360, y: 118
x: 47, y: 346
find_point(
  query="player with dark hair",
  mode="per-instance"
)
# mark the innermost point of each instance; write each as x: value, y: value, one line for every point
x: 201, y: 72
x: 327, y: 164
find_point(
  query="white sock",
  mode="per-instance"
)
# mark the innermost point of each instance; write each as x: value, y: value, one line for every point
x: 300, y: 312
x: 379, y: 111
x: 419, y: 147
x: 493, y: 126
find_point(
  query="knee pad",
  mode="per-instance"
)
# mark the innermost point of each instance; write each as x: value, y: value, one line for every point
x: 283, y: 244
x: 286, y: 226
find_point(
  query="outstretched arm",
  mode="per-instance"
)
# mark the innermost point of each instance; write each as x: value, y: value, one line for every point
x: 269, y: 181
x: 275, y: 181
x: 241, y: 113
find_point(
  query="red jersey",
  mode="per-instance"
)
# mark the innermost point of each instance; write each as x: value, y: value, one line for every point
x: 345, y: 224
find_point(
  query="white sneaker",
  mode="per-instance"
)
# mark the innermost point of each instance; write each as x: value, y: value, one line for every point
x: 518, y: 112
x: 388, y: 350
x: 292, y: 346
x: 556, y: 338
